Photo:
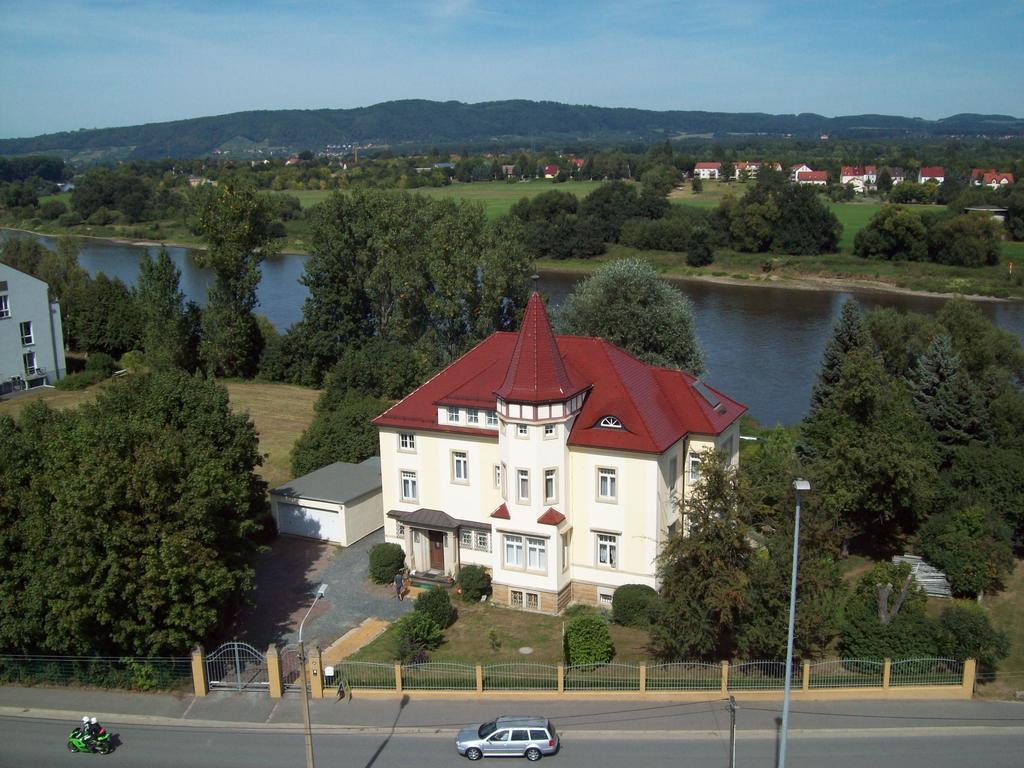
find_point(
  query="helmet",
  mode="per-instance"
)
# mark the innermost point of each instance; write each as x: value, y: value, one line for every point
x: 92, y: 721
x: 85, y: 719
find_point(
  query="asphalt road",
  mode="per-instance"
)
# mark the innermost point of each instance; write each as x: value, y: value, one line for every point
x: 26, y: 741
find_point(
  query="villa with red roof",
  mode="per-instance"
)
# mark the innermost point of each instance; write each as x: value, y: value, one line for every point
x: 707, y: 170
x: 816, y: 178
x: 934, y: 173
x: 555, y: 462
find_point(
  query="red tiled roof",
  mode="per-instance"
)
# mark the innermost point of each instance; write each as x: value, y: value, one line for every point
x: 977, y: 173
x: 535, y: 372
x: 870, y: 169
x: 930, y: 171
x: 851, y: 170
x: 656, y: 406
x: 812, y: 176
x: 579, y: 162
x: 991, y: 177
x: 552, y: 169
x: 707, y: 166
x: 502, y: 512
x: 551, y: 517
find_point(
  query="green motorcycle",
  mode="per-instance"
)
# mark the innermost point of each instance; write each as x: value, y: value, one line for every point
x: 100, y: 743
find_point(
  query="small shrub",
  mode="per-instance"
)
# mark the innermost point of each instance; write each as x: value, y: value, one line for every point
x: 578, y: 609
x: 417, y: 631
x: 100, y: 361
x: 80, y: 380
x: 385, y: 561
x: 493, y: 640
x: 437, y: 604
x: 132, y: 359
x: 474, y: 582
x: 587, y: 641
x: 965, y: 632
x: 634, y: 604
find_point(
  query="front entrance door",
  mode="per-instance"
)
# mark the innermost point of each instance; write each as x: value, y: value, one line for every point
x: 436, y: 550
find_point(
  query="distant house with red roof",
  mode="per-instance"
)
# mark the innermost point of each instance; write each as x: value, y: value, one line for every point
x: 797, y: 169
x: 860, y: 177
x: 934, y: 173
x: 990, y: 177
x: 741, y: 167
x: 707, y: 170
x: 550, y: 171
x: 815, y: 178
x: 553, y: 461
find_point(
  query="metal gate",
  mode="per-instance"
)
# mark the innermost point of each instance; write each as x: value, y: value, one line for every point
x: 237, y: 667
x: 291, y: 677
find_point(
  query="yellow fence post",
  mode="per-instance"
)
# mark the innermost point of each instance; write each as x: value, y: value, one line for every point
x: 561, y: 678
x: 806, y: 680
x: 886, y: 672
x: 398, y: 678
x: 970, y: 675
x: 479, y: 679
x: 316, y: 678
x: 725, y: 677
x: 199, y: 682
x: 643, y: 678
x: 274, y: 671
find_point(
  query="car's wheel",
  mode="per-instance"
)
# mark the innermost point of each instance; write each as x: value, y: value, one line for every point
x: 533, y: 754
x: 474, y: 754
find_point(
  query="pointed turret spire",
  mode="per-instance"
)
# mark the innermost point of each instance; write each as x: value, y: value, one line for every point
x: 536, y: 373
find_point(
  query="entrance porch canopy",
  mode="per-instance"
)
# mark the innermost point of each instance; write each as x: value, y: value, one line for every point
x: 434, y: 519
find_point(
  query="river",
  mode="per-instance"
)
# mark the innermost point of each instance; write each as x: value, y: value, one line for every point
x: 762, y: 345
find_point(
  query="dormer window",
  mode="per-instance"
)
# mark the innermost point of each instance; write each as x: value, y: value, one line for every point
x: 611, y: 422
x: 453, y: 414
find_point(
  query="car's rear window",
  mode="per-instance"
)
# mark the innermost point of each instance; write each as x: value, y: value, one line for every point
x: 520, y: 735
x: 538, y: 735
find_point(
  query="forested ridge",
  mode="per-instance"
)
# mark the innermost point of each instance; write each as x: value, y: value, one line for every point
x: 517, y: 122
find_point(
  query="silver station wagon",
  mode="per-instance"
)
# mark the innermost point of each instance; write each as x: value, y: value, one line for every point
x: 529, y: 737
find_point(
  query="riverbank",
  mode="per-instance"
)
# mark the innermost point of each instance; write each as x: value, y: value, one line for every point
x: 729, y: 269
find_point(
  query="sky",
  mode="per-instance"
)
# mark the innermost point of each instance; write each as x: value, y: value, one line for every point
x: 68, y: 65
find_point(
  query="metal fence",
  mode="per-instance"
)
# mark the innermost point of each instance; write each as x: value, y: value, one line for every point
x: 926, y: 672
x: 762, y: 676
x: 518, y: 676
x: 602, y: 677
x: 846, y: 673
x: 362, y: 674
x: 439, y: 676
x: 684, y: 676
x: 153, y: 673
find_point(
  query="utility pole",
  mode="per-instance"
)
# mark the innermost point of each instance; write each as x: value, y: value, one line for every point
x: 731, y: 706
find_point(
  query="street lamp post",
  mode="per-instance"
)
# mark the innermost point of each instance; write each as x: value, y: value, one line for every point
x: 798, y: 485
x: 320, y: 592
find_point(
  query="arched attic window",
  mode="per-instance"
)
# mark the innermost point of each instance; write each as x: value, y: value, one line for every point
x: 611, y: 422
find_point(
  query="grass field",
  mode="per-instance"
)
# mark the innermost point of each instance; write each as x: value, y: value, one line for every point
x: 1007, y: 612
x: 280, y: 412
x: 468, y: 639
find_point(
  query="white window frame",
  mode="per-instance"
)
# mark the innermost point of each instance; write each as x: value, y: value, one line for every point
x: 5, y: 306
x: 460, y: 467
x: 536, y: 554
x: 30, y: 362
x: 453, y: 414
x: 466, y: 538
x: 407, y: 442
x: 522, y: 431
x: 607, y: 484
x: 610, y: 422
x: 25, y: 330
x: 534, y: 598
x: 551, y: 479
x: 513, y: 543
x: 566, y: 541
x: 472, y: 416
x: 409, y: 482
x: 693, y: 466
x: 549, y: 431
x: 523, y: 475
x: 492, y: 418
x: 516, y: 599
x: 607, y: 554
x: 482, y: 541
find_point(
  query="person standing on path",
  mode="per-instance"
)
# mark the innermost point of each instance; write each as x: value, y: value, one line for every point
x: 400, y: 586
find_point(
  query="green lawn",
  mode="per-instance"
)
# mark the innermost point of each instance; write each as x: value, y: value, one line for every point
x: 1007, y: 612
x: 497, y: 197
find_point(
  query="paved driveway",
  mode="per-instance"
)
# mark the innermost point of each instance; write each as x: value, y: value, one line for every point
x: 286, y: 579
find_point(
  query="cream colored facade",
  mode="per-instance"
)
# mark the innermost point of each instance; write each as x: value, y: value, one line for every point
x: 618, y: 507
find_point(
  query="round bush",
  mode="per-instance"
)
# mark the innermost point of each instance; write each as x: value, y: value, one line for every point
x: 100, y: 361
x: 437, y: 604
x: 475, y: 582
x: 417, y: 631
x: 80, y: 380
x: 385, y: 561
x: 587, y: 641
x: 633, y: 605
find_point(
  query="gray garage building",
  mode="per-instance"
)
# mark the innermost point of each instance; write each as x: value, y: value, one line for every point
x: 340, y: 503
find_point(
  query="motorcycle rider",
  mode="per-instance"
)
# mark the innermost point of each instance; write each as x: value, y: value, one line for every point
x: 89, y: 731
x: 94, y: 728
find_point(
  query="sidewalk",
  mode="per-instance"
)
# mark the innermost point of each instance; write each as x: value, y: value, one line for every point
x: 240, y: 710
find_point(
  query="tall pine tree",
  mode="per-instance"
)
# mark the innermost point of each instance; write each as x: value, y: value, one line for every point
x: 850, y: 332
x: 165, y: 328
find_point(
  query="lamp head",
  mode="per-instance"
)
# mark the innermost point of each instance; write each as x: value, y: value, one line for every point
x: 801, y: 485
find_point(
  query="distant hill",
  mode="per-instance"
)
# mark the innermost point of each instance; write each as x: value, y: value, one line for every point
x: 509, y: 124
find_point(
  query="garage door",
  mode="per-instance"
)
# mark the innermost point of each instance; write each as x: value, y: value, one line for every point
x: 309, y: 522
